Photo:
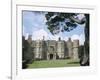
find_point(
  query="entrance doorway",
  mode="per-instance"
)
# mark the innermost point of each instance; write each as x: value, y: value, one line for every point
x: 51, y: 56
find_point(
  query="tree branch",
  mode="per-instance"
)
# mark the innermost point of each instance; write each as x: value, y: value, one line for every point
x: 77, y: 20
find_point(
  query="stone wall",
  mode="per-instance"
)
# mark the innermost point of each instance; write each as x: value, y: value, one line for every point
x: 52, y: 49
x: 69, y: 48
x: 75, y: 49
x: 60, y: 49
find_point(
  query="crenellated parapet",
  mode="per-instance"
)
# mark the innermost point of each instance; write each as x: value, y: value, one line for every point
x: 52, y: 49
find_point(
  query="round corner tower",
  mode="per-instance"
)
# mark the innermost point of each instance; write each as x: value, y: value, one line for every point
x: 38, y: 51
x: 60, y: 48
x: 30, y: 39
x: 70, y: 47
x: 75, y: 49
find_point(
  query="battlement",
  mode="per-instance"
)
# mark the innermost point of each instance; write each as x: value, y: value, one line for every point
x: 52, y: 49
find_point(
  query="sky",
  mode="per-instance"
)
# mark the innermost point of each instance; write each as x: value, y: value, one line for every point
x: 34, y: 24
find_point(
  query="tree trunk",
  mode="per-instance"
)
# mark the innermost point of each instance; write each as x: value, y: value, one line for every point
x: 85, y: 58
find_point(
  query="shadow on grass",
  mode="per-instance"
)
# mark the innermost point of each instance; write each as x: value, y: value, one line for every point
x: 73, y: 63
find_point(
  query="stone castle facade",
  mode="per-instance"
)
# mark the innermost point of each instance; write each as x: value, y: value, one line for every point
x: 51, y: 49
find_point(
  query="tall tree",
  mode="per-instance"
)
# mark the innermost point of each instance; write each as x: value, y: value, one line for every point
x: 27, y: 53
x: 60, y: 22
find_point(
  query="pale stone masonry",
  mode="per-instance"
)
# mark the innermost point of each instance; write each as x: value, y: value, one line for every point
x: 51, y: 49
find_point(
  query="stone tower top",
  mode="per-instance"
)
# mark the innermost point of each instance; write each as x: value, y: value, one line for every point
x: 30, y: 36
x: 59, y: 38
x: 75, y: 43
x: 30, y: 39
x: 69, y: 39
x: 43, y: 38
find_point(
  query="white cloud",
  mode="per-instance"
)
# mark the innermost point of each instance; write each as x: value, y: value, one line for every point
x: 73, y: 37
x: 80, y: 37
x: 80, y: 16
x: 56, y: 37
x: 26, y: 36
x: 65, y: 38
x: 38, y: 35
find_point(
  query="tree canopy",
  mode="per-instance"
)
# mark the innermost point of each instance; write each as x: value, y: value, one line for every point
x: 62, y: 21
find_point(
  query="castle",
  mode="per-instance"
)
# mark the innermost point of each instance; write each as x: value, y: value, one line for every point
x: 52, y: 49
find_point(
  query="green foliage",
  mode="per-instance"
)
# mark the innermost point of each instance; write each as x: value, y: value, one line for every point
x: 27, y: 54
x: 60, y: 22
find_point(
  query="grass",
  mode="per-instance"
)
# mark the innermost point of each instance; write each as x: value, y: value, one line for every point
x: 54, y: 63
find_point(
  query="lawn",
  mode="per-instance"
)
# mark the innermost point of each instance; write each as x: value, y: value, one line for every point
x: 54, y: 63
